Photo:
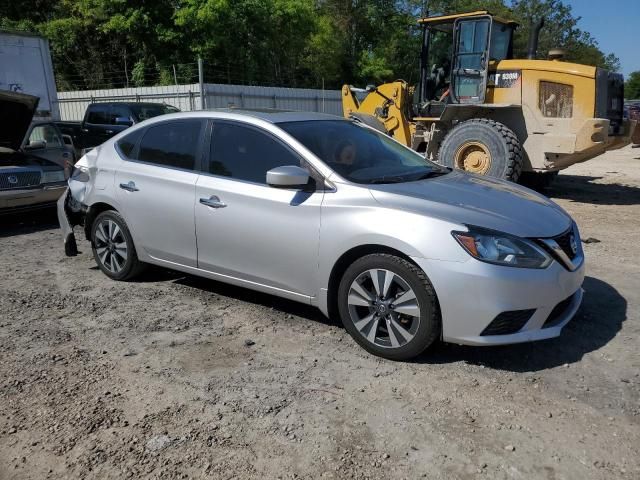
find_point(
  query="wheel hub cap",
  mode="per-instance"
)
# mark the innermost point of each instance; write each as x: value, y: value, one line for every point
x: 473, y: 157
x: 382, y: 309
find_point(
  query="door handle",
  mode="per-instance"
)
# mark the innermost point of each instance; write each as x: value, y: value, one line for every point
x: 129, y: 187
x: 213, y: 201
x: 108, y: 132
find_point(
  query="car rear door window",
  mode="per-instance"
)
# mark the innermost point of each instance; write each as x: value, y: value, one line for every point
x: 245, y: 153
x: 98, y: 115
x: 171, y: 144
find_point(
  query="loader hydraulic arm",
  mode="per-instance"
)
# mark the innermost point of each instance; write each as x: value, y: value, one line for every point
x: 387, y: 103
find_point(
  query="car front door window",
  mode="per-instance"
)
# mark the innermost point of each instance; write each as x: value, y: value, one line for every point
x: 247, y: 154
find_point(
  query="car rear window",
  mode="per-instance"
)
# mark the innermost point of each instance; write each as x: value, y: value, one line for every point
x: 98, y: 114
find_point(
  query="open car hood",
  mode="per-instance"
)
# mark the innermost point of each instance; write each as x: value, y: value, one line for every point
x: 16, y: 113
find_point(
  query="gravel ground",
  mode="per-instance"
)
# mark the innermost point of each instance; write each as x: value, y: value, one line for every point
x: 173, y: 376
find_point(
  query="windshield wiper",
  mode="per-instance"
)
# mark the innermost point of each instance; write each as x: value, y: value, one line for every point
x: 387, y: 180
x: 432, y: 173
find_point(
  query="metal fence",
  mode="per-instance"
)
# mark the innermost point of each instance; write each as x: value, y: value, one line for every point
x: 187, y: 98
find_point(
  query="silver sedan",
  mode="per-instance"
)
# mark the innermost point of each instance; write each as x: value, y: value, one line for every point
x: 328, y: 212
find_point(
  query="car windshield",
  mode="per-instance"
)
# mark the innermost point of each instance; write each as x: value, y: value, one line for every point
x: 144, y: 111
x: 361, y: 154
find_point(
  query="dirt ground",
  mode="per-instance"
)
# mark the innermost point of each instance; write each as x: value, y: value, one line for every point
x: 173, y: 376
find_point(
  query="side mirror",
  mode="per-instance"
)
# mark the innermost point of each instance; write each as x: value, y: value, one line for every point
x: 370, y: 88
x: 67, y: 140
x: 123, y: 121
x: 35, y: 145
x: 288, y: 176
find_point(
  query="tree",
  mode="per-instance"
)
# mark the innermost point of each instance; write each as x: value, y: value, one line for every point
x: 632, y: 86
x: 306, y: 43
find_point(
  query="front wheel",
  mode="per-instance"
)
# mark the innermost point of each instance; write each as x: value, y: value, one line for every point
x: 113, y: 248
x: 483, y: 147
x: 389, y: 307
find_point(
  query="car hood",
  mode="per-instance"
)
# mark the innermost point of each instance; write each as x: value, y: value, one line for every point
x: 16, y: 113
x: 475, y: 200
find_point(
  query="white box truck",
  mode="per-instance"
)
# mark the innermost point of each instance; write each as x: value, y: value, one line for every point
x: 25, y: 67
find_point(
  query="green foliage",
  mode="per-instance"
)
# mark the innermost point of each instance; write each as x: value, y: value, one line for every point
x: 632, y: 86
x: 116, y: 43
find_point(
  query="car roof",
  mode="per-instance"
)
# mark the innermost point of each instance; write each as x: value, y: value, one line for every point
x: 278, y: 116
x: 108, y: 104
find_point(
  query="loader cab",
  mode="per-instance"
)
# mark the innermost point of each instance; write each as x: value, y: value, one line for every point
x: 457, y: 51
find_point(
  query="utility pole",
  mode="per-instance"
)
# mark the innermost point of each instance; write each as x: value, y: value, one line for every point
x: 201, y: 82
x: 126, y: 73
x: 175, y: 80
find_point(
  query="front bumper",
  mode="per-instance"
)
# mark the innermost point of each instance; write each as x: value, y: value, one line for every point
x: 21, y: 199
x: 563, y: 149
x: 473, y: 293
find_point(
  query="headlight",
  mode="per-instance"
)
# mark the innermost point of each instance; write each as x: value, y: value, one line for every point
x: 80, y: 174
x: 502, y: 249
x: 53, y: 176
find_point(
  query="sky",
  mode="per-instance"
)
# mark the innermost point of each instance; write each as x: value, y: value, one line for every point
x: 615, y: 24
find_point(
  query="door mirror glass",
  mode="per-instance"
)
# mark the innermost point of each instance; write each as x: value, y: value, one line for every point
x: 288, y: 176
x: 123, y: 121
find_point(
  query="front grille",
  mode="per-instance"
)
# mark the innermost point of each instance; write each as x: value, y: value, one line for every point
x: 508, y: 322
x: 12, y: 180
x: 558, y: 312
x: 564, y: 242
x: 610, y: 99
x: 555, y: 99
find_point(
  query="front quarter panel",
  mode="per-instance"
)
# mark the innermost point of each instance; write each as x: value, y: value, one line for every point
x: 352, y: 218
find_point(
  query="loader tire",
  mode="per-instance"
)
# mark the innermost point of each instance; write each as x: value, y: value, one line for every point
x: 484, y: 147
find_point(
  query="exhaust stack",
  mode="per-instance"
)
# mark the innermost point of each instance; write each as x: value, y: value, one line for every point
x: 533, y: 39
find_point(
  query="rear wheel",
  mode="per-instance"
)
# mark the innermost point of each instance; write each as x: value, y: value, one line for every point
x: 113, y: 247
x: 483, y: 147
x: 389, y: 307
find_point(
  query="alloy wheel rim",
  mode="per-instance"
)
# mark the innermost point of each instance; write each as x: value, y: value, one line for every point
x: 384, y: 308
x: 111, y: 245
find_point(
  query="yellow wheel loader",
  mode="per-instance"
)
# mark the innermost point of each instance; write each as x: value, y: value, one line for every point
x: 478, y: 109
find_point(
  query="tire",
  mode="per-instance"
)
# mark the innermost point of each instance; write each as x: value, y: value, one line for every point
x: 489, y: 138
x: 539, y: 181
x: 113, y: 248
x: 402, y: 330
